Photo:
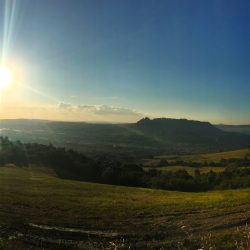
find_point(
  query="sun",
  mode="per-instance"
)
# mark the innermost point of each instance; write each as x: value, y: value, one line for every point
x: 6, y: 77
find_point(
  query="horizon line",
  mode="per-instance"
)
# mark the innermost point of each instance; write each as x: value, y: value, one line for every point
x: 117, y: 122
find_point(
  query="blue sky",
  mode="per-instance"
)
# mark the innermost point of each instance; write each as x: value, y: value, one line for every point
x: 119, y: 60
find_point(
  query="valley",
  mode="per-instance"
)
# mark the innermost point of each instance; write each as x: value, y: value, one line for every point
x: 102, y: 197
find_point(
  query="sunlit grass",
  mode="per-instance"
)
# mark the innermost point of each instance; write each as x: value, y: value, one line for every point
x: 36, y: 195
x: 190, y: 170
x: 215, y: 157
x: 48, y: 197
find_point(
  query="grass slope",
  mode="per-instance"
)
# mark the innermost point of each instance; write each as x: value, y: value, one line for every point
x: 190, y: 170
x: 215, y: 157
x: 142, y: 218
x: 197, y: 158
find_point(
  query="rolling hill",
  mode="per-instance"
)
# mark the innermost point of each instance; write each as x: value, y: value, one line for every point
x: 152, y: 136
x: 97, y: 216
x: 244, y: 129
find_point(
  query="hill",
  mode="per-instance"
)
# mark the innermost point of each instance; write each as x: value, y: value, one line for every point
x: 41, y: 184
x: 144, y: 137
x: 193, y: 134
x: 204, y: 163
x: 97, y: 216
x: 70, y: 164
x: 210, y: 157
x: 244, y: 129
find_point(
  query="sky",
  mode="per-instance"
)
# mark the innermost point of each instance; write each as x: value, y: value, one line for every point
x: 119, y: 61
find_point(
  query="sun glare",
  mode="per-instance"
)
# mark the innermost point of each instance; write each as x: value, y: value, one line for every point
x: 6, y: 77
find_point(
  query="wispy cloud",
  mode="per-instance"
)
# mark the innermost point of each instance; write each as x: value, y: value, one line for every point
x: 67, y: 106
x: 105, y: 112
x: 108, y: 110
x: 71, y: 112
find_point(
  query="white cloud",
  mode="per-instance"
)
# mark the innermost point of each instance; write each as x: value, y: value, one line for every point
x: 100, y: 112
x: 67, y: 106
x: 71, y: 112
x: 107, y: 110
x: 110, y: 110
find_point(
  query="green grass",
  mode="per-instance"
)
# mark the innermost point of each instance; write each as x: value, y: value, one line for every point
x: 239, y: 154
x: 36, y: 189
x: 200, y: 158
x: 190, y: 170
x: 33, y: 195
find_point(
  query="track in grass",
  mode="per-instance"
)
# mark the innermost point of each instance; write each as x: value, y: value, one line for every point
x: 32, y: 196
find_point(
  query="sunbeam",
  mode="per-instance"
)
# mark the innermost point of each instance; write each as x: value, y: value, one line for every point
x: 40, y: 93
x: 9, y: 21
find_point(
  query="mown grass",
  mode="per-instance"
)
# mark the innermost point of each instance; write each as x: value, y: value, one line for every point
x: 34, y: 195
x: 33, y: 192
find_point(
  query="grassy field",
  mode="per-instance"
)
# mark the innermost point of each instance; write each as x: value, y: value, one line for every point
x: 198, y: 158
x: 190, y: 170
x: 39, y: 210
x: 215, y: 157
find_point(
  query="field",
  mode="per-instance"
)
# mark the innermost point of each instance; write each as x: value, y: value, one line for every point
x: 39, y: 210
x: 190, y: 170
x: 202, y: 161
x: 215, y: 157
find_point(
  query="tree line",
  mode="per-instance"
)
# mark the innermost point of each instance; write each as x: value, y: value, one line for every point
x: 70, y: 164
